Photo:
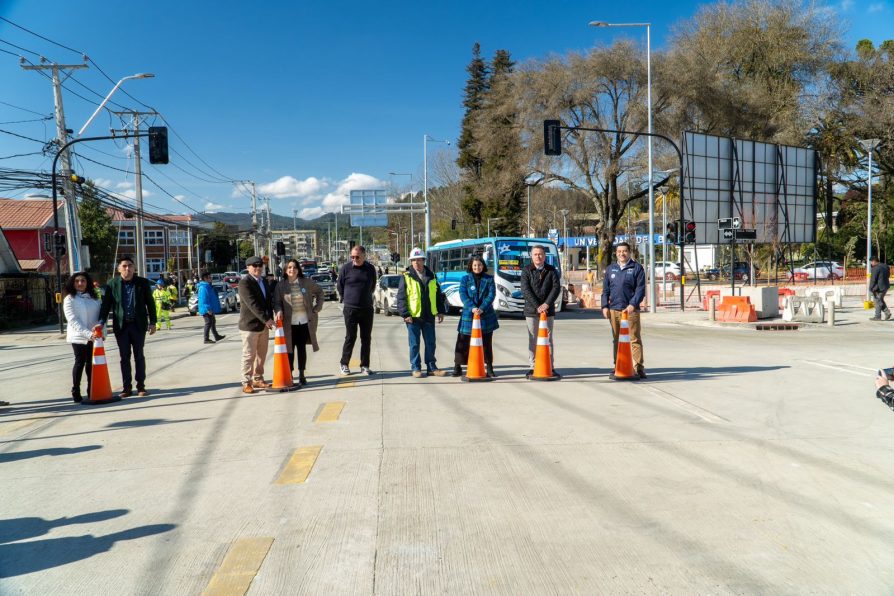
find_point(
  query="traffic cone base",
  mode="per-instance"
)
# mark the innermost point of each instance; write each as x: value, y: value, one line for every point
x: 475, y: 371
x: 543, y: 358
x: 282, y: 374
x: 624, y: 358
x: 100, y: 385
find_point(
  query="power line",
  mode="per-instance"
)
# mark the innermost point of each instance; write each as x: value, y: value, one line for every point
x: 224, y: 176
x: 15, y: 134
x: 23, y: 155
x: 56, y: 43
x: 20, y: 48
x: 23, y: 109
x: 31, y: 120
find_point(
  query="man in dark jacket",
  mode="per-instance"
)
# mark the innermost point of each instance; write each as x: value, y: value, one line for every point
x: 129, y: 299
x: 879, y: 282
x: 420, y: 301
x: 540, y: 285
x: 255, y: 323
x: 356, y: 284
x: 623, y: 290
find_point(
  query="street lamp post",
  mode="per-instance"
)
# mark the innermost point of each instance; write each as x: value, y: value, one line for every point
x: 425, y: 141
x: 652, y: 305
x: 564, y: 213
x: 532, y: 179
x: 142, y: 75
x: 490, y: 219
x: 869, y: 145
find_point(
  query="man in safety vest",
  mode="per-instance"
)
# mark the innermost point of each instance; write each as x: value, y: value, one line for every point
x: 420, y: 301
x: 162, y: 304
x: 173, y: 294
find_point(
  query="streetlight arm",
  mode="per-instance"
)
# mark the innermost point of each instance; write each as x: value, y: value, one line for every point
x: 109, y: 96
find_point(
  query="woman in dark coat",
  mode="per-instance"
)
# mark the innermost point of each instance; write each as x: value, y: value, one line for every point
x: 297, y: 300
x: 477, y: 291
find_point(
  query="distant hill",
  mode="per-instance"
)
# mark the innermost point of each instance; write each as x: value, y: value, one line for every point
x: 242, y: 221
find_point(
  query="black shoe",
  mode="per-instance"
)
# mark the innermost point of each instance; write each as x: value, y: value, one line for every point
x: 641, y: 372
x: 611, y: 376
x: 208, y: 341
x: 76, y: 398
x: 302, y: 380
x: 529, y: 374
x: 125, y: 393
x: 556, y: 375
x: 457, y: 370
x: 489, y: 369
x: 219, y: 337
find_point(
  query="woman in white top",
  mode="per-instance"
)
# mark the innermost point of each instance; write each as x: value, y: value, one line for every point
x: 297, y: 300
x: 81, y: 308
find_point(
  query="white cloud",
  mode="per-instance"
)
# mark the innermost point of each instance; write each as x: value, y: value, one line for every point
x: 356, y: 181
x: 209, y: 206
x: 877, y: 7
x: 846, y: 5
x: 290, y: 187
x: 310, y: 212
x: 124, y: 190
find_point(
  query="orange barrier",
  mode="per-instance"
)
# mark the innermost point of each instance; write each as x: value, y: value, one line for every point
x: 543, y: 362
x: 783, y: 294
x: 706, y: 301
x: 282, y: 375
x: 100, y: 385
x: 475, y: 366
x: 624, y: 358
x: 736, y: 309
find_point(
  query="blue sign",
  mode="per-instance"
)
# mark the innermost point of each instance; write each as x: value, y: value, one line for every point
x: 583, y: 241
x: 369, y: 200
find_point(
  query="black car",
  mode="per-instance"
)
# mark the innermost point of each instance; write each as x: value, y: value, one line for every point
x: 741, y: 271
x: 324, y: 280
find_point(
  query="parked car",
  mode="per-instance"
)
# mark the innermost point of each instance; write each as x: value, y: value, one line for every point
x: 667, y: 270
x: 325, y: 282
x: 819, y: 270
x: 229, y: 299
x: 741, y: 271
x: 385, y: 296
x: 232, y: 280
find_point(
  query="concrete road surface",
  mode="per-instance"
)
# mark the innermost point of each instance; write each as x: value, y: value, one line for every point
x: 748, y: 463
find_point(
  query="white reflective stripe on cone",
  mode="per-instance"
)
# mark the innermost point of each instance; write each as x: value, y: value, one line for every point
x: 280, y: 349
x: 476, y: 342
x: 624, y: 339
x: 542, y: 341
x: 476, y: 323
x: 99, y: 360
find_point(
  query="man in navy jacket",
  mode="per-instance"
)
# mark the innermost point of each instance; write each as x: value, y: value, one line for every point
x: 623, y: 290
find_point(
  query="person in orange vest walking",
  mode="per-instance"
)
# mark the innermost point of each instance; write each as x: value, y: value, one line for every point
x: 623, y: 289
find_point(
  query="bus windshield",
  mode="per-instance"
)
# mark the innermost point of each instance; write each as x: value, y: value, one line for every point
x: 514, y: 255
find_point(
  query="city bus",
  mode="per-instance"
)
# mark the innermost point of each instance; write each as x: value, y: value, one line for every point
x: 505, y: 258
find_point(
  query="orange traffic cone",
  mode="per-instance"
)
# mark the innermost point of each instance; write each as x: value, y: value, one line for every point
x: 282, y: 375
x: 100, y: 385
x: 475, y: 367
x: 543, y: 362
x: 624, y: 358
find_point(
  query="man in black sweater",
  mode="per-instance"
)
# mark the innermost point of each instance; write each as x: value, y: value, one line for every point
x: 879, y: 283
x: 356, y: 284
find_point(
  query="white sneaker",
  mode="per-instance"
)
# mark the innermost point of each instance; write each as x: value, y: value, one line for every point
x: 345, y: 371
x: 364, y: 370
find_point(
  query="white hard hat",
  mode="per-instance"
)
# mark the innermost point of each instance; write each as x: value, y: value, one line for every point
x: 417, y: 253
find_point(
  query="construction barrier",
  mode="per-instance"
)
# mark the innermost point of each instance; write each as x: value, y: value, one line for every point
x: 706, y: 301
x: 826, y: 294
x: 282, y: 374
x: 624, y: 358
x: 736, y: 309
x: 804, y: 310
x: 100, y: 384
x: 543, y: 358
x: 475, y: 366
x: 783, y: 294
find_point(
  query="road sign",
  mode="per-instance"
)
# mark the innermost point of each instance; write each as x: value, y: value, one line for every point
x: 746, y: 234
x: 737, y: 223
x: 725, y: 223
x: 371, y: 205
x: 727, y: 234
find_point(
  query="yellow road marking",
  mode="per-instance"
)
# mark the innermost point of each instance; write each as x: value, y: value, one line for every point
x: 239, y: 567
x: 298, y: 468
x: 354, y: 362
x: 330, y: 412
x: 343, y: 384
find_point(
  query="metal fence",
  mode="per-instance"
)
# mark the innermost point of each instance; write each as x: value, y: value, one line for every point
x: 25, y: 298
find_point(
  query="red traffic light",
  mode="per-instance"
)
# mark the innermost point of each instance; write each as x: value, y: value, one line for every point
x: 690, y: 226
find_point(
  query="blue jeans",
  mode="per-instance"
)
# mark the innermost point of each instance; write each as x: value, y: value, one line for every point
x: 427, y: 330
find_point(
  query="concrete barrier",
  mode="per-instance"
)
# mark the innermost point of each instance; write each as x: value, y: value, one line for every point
x: 764, y: 299
x: 804, y: 310
x: 826, y: 294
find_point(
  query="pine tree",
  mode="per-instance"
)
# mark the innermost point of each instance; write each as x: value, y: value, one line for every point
x: 468, y: 160
x: 97, y: 230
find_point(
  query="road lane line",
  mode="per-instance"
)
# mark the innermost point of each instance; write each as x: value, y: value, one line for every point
x: 343, y: 384
x: 330, y: 412
x: 239, y: 567
x: 298, y: 468
x: 839, y: 368
x: 354, y: 362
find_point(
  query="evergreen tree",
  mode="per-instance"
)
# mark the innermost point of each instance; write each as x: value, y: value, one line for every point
x: 97, y: 230
x: 468, y: 160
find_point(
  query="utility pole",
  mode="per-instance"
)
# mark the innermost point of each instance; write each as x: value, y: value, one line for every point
x: 72, y: 225
x: 269, y: 230
x: 138, y: 186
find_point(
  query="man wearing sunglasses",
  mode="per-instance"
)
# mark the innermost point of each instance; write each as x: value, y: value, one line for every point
x: 255, y: 323
x: 356, y: 284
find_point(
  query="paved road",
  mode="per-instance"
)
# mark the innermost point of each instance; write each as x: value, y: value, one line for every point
x: 748, y: 463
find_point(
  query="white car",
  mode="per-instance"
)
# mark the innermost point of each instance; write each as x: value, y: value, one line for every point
x: 819, y: 270
x: 385, y: 296
x: 667, y: 270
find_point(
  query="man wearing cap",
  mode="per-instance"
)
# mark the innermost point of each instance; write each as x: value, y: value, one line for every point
x: 356, y: 284
x: 255, y: 322
x: 129, y: 298
x: 623, y: 290
x: 420, y: 301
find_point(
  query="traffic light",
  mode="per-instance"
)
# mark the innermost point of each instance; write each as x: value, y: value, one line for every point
x: 59, y: 243
x: 452, y: 224
x: 395, y: 257
x: 552, y: 137
x: 280, y: 248
x: 670, y: 235
x: 158, y: 144
x: 689, y: 232
x: 77, y: 179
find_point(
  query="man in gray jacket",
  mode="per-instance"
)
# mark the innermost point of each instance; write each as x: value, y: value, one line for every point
x: 879, y: 282
x: 540, y: 285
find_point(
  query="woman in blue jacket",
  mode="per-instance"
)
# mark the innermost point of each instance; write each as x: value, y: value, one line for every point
x: 208, y: 306
x: 477, y: 292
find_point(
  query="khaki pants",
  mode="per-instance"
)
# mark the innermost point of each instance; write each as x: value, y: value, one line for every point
x: 254, y: 353
x: 636, y: 342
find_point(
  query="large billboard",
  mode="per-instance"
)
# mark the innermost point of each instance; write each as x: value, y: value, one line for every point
x: 770, y: 188
x: 369, y: 201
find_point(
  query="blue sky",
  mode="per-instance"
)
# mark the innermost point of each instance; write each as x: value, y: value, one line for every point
x: 309, y: 99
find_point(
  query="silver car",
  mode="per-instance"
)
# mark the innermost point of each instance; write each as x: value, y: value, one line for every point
x: 385, y: 296
x: 324, y: 280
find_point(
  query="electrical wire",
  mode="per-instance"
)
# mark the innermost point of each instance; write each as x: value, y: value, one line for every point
x: 26, y: 50
x: 31, y: 120
x: 15, y: 134
x: 56, y: 43
x: 22, y: 155
x: 21, y: 108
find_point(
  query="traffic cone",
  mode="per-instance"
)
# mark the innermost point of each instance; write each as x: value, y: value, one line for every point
x: 624, y: 358
x: 100, y: 385
x: 543, y: 362
x: 282, y: 375
x: 475, y: 367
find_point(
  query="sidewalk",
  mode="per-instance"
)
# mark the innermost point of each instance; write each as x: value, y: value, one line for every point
x: 50, y: 332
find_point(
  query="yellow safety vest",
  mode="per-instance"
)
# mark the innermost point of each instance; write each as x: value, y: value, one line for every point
x: 414, y: 295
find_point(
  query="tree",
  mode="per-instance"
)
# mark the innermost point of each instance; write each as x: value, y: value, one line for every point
x: 219, y: 242
x: 468, y: 159
x: 97, y: 230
